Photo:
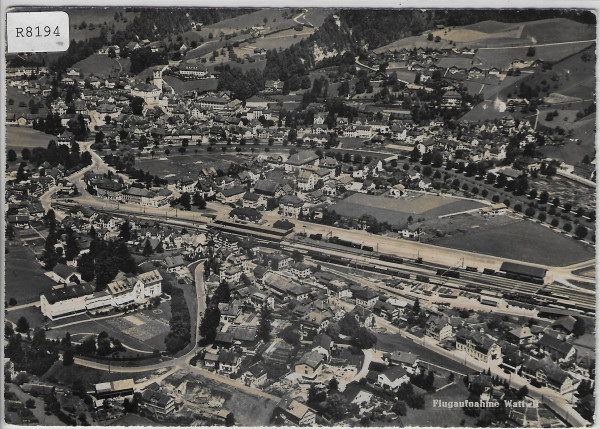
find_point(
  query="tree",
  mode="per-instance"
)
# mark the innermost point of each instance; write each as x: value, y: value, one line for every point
x: 68, y: 358
x: 230, y: 420
x: 416, y: 306
x: 544, y: 197
x: 147, y: 249
x: 522, y: 392
x: 210, y: 323
x: 137, y: 105
x: 333, y: 384
x: 11, y: 155
x: 554, y: 222
x: 25, y: 154
x: 22, y: 325
x: 567, y: 227
x: 199, y: 201
x: 581, y: 231
x: 399, y: 408
x: 125, y: 231
x: 264, y: 325
x: 185, y: 201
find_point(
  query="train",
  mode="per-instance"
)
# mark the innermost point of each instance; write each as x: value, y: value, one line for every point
x: 513, y: 276
x: 448, y: 273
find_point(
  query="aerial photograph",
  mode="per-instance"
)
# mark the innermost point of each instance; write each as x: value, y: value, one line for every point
x: 302, y: 217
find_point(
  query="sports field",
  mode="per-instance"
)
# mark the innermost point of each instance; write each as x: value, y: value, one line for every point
x: 396, y: 211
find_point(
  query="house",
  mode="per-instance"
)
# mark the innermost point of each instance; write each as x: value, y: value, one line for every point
x: 229, y: 362
x: 255, y: 376
x: 364, y: 316
x: 393, y: 377
x: 478, y: 345
x: 556, y: 349
x: 301, y: 270
x: 520, y: 335
x: 438, y: 327
x: 67, y: 301
x: 64, y: 274
x: 407, y: 360
x: 451, y: 99
x: 295, y: 413
x: 301, y: 160
x: 230, y: 195
x: 322, y: 343
x: 291, y: 206
x: 173, y: 263
x: 565, y: 324
x: 309, y: 365
x: 365, y: 297
x: 159, y: 404
x: 306, y: 180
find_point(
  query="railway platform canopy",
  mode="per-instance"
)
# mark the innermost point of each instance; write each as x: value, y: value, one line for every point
x: 525, y: 272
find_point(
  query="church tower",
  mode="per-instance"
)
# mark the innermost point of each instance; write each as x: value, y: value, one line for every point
x: 157, y: 77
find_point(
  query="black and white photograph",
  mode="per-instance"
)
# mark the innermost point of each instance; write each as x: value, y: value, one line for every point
x: 300, y: 216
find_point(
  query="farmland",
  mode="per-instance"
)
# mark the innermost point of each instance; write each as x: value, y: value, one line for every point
x: 102, y: 65
x: 22, y: 137
x: 522, y: 240
x: 18, y: 97
x: 24, y: 276
x: 396, y: 211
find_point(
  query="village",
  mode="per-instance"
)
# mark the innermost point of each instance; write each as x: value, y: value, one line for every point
x: 198, y: 245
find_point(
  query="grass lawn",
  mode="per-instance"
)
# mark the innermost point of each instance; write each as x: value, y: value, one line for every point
x: 33, y: 315
x: 441, y: 416
x: 396, y: 342
x: 191, y: 85
x: 189, y: 164
x: 396, y: 211
x: 248, y: 410
x: 89, y: 376
x: 25, y: 278
x: 522, y: 240
x: 18, y: 97
x: 133, y: 420
x: 18, y: 138
x: 97, y: 65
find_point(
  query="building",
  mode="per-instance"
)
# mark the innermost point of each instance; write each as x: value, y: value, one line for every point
x: 393, y: 377
x: 157, y: 403
x: 291, y: 206
x: 136, y: 290
x: 301, y: 160
x: 295, y: 413
x: 310, y: 364
x: 67, y: 301
x: 478, y: 345
x: 438, y: 327
x: 114, y: 389
x: 451, y: 99
x: 524, y: 272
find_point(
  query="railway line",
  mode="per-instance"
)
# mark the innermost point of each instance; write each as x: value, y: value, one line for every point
x: 553, y: 295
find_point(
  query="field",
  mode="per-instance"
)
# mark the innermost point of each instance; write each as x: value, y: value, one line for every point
x: 188, y: 164
x: 100, y: 16
x: 522, y: 240
x: 89, y: 376
x: 396, y: 211
x: 283, y: 39
x: 140, y: 332
x: 566, y: 190
x: 102, y: 65
x: 191, y: 85
x: 441, y: 416
x: 572, y: 151
x: 18, y: 138
x: 25, y: 278
x: 18, y: 97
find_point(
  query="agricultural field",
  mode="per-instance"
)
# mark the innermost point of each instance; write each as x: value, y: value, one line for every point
x: 18, y: 138
x: 18, y: 97
x: 396, y: 211
x: 102, y: 65
x: 99, y: 17
x: 24, y: 276
x: 583, y: 143
x: 578, y: 194
x: 283, y: 39
x: 522, y: 240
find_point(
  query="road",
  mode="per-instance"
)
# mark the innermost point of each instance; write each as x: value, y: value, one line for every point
x: 536, y: 45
